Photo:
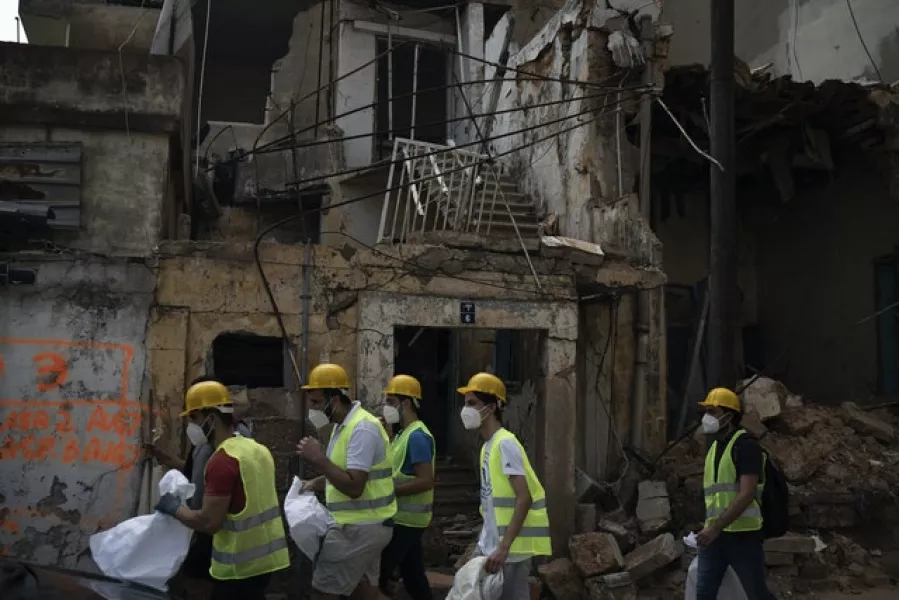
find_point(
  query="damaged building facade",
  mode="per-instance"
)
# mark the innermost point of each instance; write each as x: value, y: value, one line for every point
x: 816, y: 200
x: 464, y: 202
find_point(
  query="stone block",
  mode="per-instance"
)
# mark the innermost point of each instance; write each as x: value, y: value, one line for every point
x: 801, y: 421
x: 865, y: 424
x: 653, y: 506
x: 585, y: 518
x: 652, y: 556
x: 767, y: 398
x: 615, y: 586
x: 624, y: 535
x: 595, y: 554
x: 791, y: 543
x: 753, y: 424
x: 778, y: 559
x: 562, y: 580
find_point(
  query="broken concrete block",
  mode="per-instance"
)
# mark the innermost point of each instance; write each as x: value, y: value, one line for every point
x: 865, y: 424
x: 624, y: 535
x: 653, y: 506
x: 615, y: 586
x: 753, y: 424
x: 766, y: 397
x: 652, y: 556
x: 791, y: 543
x: 585, y: 518
x: 595, y: 554
x: 562, y: 580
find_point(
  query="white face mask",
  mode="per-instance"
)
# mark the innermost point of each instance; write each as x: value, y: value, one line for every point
x: 195, y: 434
x: 710, y: 424
x: 471, y: 418
x: 318, y: 418
x: 391, y: 414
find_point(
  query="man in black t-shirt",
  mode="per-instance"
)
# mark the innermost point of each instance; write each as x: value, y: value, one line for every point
x: 732, y: 536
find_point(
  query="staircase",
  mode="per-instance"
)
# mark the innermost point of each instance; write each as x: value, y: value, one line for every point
x: 434, y: 188
x: 457, y: 491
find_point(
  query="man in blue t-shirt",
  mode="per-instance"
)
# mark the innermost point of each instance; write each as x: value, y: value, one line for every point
x: 412, y: 457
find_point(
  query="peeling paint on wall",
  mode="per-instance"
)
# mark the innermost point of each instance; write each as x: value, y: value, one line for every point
x: 72, y: 355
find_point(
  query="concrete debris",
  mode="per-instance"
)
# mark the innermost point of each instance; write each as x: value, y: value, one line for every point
x: 653, y: 507
x: 562, y: 580
x: 767, y: 397
x: 865, y: 424
x: 625, y: 534
x: 615, y: 586
x: 842, y: 466
x: 595, y: 554
x: 652, y: 556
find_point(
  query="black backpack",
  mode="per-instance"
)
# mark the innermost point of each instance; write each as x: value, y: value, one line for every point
x: 775, y: 501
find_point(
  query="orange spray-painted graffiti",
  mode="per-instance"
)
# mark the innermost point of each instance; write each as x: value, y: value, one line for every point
x: 57, y: 416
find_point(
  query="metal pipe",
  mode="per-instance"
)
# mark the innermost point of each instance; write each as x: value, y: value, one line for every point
x: 390, y: 78
x: 644, y: 298
x: 304, y: 336
x: 723, y: 234
x: 414, y: 91
x: 321, y: 52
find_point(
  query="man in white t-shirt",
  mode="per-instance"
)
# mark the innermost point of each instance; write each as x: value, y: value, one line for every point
x: 513, y: 502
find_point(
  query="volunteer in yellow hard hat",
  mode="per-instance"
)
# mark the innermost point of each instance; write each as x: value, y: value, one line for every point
x: 732, y: 535
x: 240, y: 506
x: 358, y: 483
x: 510, y: 537
x: 194, y: 573
x: 413, y: 458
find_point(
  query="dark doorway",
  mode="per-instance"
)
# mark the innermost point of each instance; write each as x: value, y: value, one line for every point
x: 426, y: 354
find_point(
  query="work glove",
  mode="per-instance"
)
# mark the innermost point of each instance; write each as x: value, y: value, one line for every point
x: 168, y: 504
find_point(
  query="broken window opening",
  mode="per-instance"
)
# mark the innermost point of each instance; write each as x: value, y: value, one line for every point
x: 426, y: 119
x: 246, y: 359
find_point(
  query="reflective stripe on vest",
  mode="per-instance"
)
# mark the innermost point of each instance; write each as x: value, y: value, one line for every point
x: 251, y: 542
x: 534, y: 537
x: 377, y: 502
x: 721, y: 491
x: 415, y: 510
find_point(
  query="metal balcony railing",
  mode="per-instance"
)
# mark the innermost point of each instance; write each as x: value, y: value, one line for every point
x: 433, y: 188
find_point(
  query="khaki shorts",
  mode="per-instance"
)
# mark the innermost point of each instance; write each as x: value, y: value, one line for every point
x: 349, y: 553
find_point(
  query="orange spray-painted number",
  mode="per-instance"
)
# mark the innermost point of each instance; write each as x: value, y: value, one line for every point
x: 52, y: 370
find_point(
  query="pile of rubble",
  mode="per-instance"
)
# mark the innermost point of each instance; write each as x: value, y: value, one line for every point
x: 841, y: 465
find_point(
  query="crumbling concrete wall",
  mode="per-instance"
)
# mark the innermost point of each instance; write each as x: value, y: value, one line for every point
x: 52, y: 94
x: 90, y: 24
x: 812, y: 41
x: 357, y: 297
x: 72, y: 407
x: 573, y: 152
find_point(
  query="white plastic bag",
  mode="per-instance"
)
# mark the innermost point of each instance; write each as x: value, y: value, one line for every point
x: 148, y: 549
x: 731, y: 588
x: 307, y: 519
x: 473, y: 582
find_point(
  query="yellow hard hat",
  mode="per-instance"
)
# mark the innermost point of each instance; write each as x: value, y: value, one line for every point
x: 403, y: 385
x: 486, y: 384
x: 722, y: 397
x: 327, y: 376
x: 207, y: 394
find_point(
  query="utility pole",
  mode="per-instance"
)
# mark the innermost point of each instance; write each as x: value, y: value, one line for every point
x: 723, y: 235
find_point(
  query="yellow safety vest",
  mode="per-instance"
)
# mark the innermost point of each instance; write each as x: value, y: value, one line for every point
x: 415, y: 510
x: 251, y: 542
x: 534, y: 538
x: 722, y: 490
x: 377, y: 502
